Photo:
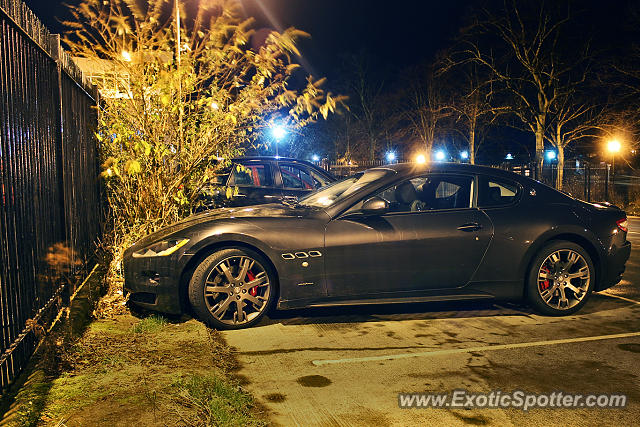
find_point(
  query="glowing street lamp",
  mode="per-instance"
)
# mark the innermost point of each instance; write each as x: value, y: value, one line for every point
x: 509, y: 156
x: 278, y: 132
x: 315, y: 158
x: 440, y: 155
x: 421, y: 159
x: 613, y: 146
x: 391, y: 156
x: 551, y: 155
x: 464, y: 155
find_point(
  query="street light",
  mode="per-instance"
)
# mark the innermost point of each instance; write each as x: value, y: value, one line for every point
x: 509, y: 156
x: 315, y: 158
x: 464, y: 155
x: 391, y: 156
x: 551, y: 155
x: 420, y: 158
x: 440, y: 155
x: 278, y: 132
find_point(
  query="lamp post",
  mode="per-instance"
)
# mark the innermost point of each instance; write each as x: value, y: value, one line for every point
x: 278, y: 132
x: 613, y: 146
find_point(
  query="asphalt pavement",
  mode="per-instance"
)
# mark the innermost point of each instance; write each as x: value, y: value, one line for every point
x: 346, y: 366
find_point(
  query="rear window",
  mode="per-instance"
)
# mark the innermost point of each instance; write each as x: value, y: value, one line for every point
x: 497, y: 192
x: 252, y: 174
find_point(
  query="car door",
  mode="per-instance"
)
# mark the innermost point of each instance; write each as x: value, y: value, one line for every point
x: 432, y: 238
x: 296, y: 180
x: 254, y: 180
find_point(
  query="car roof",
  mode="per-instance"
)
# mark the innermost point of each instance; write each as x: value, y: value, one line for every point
x: 410, y: 168
x: 281, y: 159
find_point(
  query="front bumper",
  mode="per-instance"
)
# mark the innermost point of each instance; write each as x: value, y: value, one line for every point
x: 152, y: 283
x: 615, y: 265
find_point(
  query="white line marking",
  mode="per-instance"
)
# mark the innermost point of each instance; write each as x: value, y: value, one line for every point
x: 472, y: 349
x: 622, y: 298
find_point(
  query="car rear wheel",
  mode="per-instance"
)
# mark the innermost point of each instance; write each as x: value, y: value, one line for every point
x: 232, y: 289
x: 561, y: 279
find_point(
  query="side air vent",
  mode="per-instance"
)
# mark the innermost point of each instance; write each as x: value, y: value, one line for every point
x: 315, y: 254
x: 288, y: 256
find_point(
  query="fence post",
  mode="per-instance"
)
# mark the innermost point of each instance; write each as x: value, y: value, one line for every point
x: 56, y: 48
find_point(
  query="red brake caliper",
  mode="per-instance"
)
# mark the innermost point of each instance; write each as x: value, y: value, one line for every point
x: 253, y: 291
x: 544, y: 284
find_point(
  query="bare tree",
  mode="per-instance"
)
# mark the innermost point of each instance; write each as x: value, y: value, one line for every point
x: 424, y: 106
x: 366, y: 104
x: 472, y: 103
x: 538, y: 61
x: 573, y: 119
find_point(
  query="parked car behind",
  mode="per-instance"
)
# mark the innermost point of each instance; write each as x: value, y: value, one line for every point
x: 266, y: 179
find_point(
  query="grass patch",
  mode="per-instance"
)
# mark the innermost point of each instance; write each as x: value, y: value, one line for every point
x: 216, y: 400
x: 151, y: 324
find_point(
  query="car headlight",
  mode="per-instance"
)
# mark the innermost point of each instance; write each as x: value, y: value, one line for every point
x: 162, y: 248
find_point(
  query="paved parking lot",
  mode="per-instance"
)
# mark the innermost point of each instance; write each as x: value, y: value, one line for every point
x: 346, y: 366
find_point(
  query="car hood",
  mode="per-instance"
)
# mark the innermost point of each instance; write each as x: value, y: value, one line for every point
x: 273, y: 210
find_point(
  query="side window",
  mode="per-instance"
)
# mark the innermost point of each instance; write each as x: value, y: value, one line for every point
x: 497, y: 192
x: 296, y: 177
x: 433, y: 192
x: 251, y: 174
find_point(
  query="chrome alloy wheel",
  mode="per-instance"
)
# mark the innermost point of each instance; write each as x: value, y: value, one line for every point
x: 237, y: 290
x: 563, y: 279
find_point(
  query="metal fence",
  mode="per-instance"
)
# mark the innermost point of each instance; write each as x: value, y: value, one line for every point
x: 49, y: 191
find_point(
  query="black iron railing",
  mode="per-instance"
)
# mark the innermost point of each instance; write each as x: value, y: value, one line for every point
x: 50, y: 209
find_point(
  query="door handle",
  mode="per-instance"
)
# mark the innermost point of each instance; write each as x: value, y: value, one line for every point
x: 470, y: 226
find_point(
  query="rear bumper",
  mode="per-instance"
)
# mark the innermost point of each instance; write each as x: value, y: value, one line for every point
x: 615, y: 265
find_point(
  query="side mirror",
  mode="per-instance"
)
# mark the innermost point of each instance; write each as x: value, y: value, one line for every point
x: 375, y: 206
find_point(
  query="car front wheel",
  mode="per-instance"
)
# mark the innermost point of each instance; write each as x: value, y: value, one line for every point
x: 232, y: 289
x: 561, y: 278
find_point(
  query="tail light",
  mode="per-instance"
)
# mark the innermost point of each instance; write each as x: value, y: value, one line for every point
x: 623, y: 224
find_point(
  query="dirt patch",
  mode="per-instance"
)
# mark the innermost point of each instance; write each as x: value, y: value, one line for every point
x: 275, y: 397
x: 148, y: 372
x: 632, y: 347
x: 314, y: 381
x: 476, y: 420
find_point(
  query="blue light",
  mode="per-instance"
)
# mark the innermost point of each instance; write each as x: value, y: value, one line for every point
x: 509, y: 156
x: 464, y: 155
x: 278, y: 132
x: 315, y: 158
x: 551, y: 155
x: 391, y: 156
x: 440, y: 155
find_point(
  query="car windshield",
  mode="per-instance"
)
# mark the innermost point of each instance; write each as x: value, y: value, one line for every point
x: 339, y: 190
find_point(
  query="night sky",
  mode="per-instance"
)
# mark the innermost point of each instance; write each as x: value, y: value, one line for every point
x: 393, y: 33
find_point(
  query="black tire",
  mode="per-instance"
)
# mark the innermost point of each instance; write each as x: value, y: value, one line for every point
x: 537, y: 286
x: 210, y: 272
